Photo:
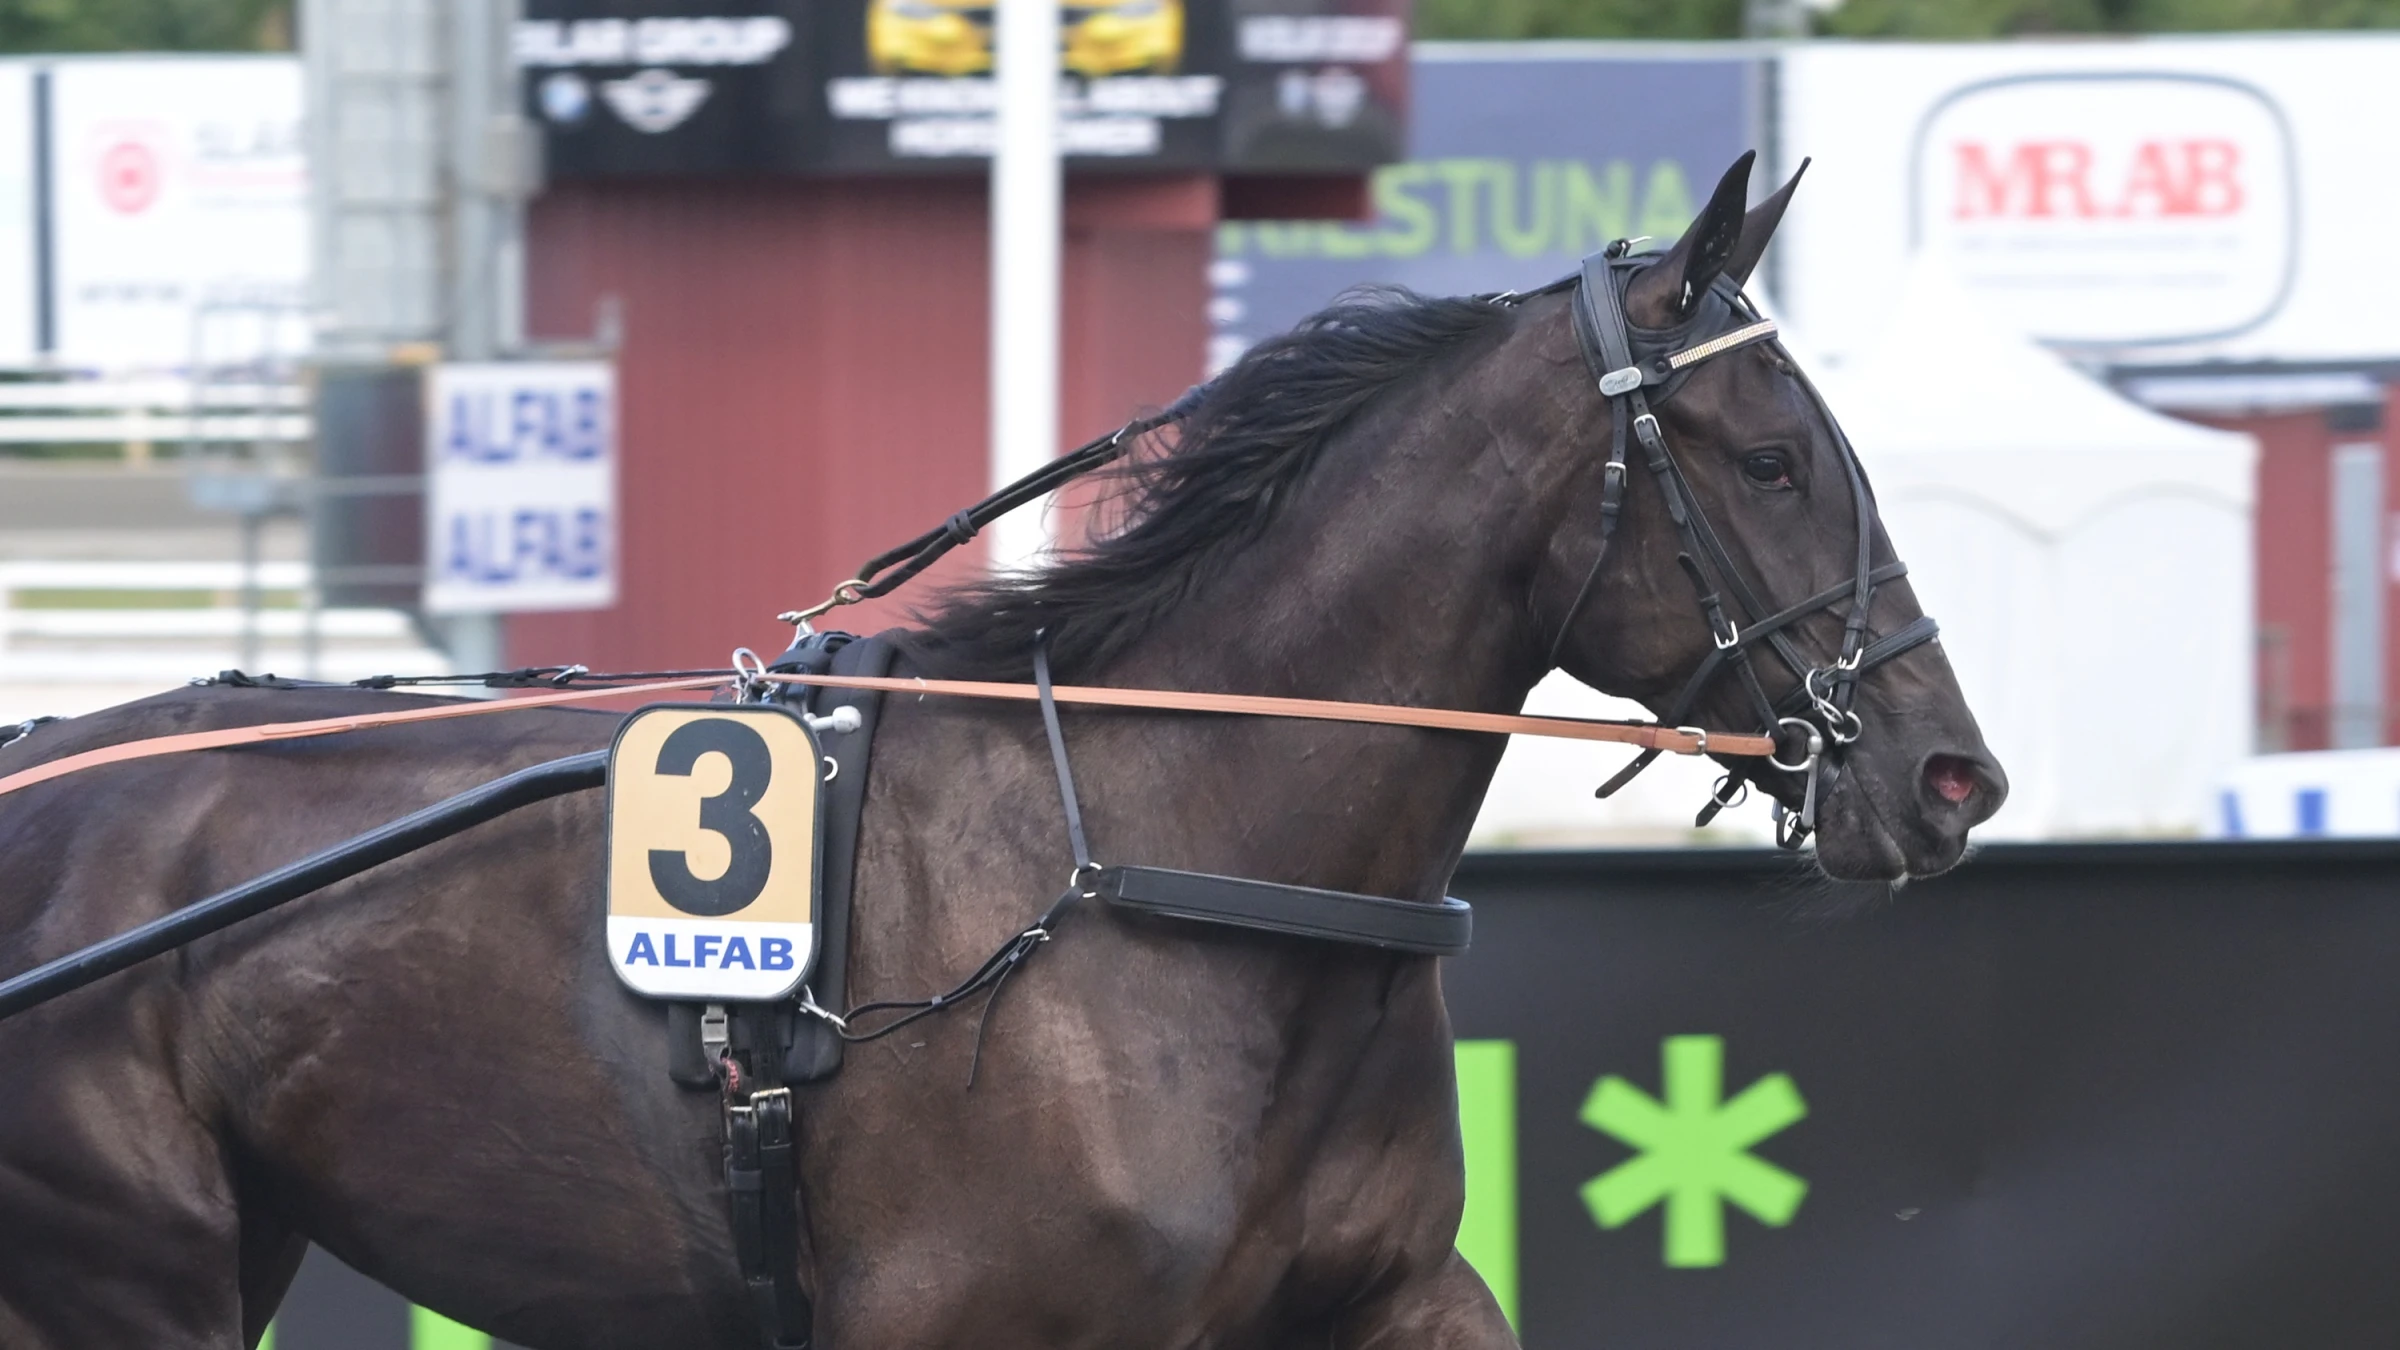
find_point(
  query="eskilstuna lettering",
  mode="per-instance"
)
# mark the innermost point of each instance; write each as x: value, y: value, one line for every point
x: 1548, y: 207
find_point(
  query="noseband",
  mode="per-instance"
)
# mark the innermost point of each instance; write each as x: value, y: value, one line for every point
x: 1814, y: 722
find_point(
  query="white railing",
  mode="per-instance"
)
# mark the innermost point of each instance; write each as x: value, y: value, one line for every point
x: 97, y: 622
x: 144, y: 576
x: 124, y: 411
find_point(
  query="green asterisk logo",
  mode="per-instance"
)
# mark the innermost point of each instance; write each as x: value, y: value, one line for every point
x: 1694, y: 1150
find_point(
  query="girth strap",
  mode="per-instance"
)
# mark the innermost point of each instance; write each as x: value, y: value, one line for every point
x: 762, y: 1189
x: 1263, y: 906
x: 1296, y: 911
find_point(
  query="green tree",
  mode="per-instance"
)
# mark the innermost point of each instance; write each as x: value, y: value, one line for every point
x: 144, y: 25
x: 1523, y: 19
x: 1517, y: 19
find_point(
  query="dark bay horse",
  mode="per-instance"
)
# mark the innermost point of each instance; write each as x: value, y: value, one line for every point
x: 1179, y: 1136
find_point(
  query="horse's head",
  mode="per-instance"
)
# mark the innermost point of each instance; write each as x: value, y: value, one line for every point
x: 1747, y: 582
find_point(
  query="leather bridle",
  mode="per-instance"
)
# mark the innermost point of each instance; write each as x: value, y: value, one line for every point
x: 1815, y: 722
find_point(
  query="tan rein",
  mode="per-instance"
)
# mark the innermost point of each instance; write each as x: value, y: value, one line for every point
x: 1675, y: 740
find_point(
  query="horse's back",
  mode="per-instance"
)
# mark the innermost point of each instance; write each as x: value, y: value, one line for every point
x: 174, y: 1126
x: 96, y: 836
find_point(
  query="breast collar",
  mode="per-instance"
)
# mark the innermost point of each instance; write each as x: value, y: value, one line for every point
x: 1635, y: 367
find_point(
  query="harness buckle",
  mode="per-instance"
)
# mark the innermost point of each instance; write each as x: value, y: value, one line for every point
x: 808, y: 1004
x: 1645, y: 429
x: 1729, y: 639
x: 749, y: 676
x: 1699, y: 735
x: 1618, y: 383
x: 1844, y: 725
x: 848, y: 593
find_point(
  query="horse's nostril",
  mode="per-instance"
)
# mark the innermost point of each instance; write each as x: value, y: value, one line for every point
x: 1951, y: 778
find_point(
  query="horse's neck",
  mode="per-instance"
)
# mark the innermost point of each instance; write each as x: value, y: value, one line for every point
x: 1371, y: 597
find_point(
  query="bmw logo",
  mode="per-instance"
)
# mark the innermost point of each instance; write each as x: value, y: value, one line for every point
x: 566, y: 99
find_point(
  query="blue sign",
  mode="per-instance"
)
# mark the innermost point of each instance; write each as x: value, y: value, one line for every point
x: 1517, y: 168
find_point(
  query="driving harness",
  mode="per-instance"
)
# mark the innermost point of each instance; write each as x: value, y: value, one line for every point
x: 753, y: 1054
x: 1636, y: 367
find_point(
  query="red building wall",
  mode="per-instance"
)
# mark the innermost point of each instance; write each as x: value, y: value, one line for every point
x: 2294, y: 568
x: 802, y: 380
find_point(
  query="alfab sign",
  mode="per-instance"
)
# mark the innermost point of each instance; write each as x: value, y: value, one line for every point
x: 521, y: 487
x: 714, y: 814
x: 2158, y: 201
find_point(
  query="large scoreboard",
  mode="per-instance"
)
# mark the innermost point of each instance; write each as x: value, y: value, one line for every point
x: 634, y: 87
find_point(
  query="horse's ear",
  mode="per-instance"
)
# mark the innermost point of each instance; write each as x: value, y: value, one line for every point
x: 1664, y: 292
x: 1758, y: 227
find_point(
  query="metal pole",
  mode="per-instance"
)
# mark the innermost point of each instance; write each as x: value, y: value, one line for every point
x: 1026, y: 212
x: 486, y: 236
x: 471, y: 223
x: 253, y: 524
x: 453, y: 815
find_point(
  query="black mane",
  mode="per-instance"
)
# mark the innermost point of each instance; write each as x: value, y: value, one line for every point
x: 1243, y: 450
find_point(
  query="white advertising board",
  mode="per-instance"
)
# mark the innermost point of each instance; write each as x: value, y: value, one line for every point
x: 179, y: 209
x: 18, y: 267
x: 2135, y: 202
x: 521, y: 491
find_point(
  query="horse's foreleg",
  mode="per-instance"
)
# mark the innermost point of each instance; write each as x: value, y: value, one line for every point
x: 271, y: 1251
x: 1448, y: 1308
x: 117, y: 1227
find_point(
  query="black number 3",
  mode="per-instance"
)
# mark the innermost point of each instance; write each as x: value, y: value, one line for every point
x: 728, y: 813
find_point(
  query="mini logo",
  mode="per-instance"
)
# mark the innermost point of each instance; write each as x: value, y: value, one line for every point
x: 566, y: 99
x: 1694, y: 1150
x: 129, y: 177
x: 652, y: 101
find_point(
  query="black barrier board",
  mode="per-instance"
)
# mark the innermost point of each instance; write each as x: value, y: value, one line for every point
x: 2067, y: 1097
x: 672, y: 87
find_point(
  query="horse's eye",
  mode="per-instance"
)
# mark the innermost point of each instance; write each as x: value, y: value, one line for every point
x: 1767, y: 468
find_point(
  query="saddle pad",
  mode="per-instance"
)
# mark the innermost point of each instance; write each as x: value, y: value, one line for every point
x: 810, y: 1050
x: 815, y: 1050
